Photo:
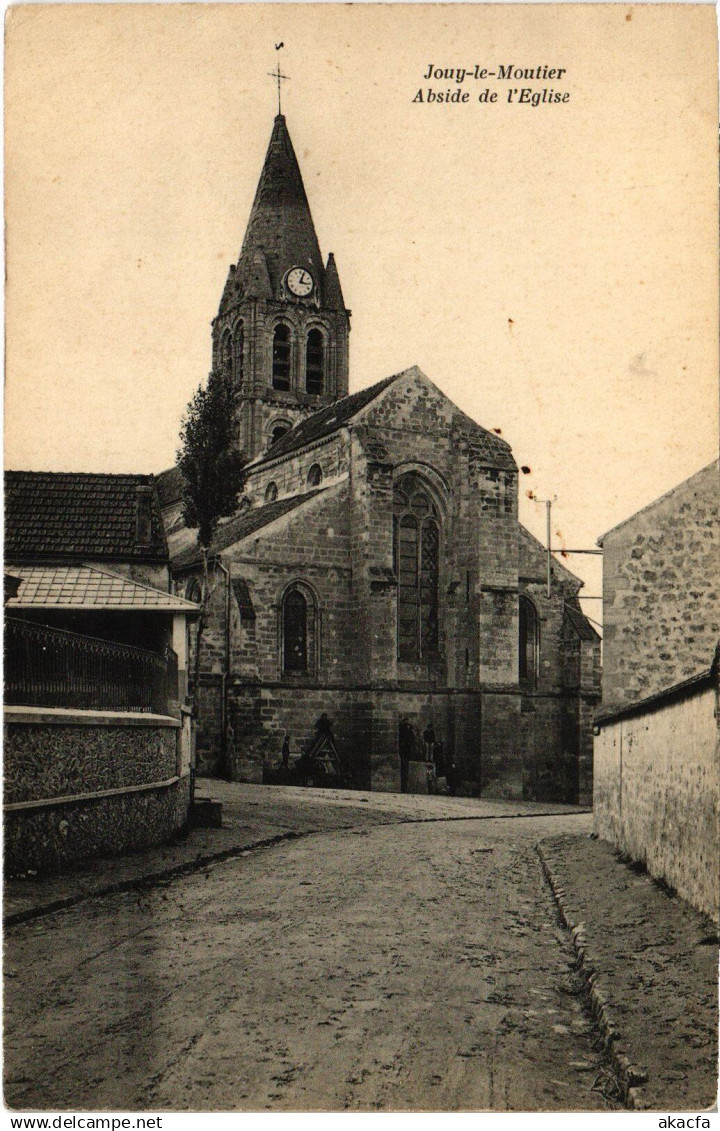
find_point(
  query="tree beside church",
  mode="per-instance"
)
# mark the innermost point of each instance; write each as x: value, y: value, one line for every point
x: 376, y: 569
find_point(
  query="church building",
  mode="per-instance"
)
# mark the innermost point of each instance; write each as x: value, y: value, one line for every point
x: 375, y: 570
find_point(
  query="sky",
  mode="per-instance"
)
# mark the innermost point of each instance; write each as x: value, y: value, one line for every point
x: 552, y: 268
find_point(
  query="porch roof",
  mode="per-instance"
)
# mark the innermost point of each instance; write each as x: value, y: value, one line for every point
x: 87, y: 587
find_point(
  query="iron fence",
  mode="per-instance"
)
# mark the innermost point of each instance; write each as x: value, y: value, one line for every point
x: 51, y: 667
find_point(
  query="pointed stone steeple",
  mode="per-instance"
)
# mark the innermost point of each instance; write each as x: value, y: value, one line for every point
x: 282, y: 327
x: 332, y: 292
x: 280, y: 224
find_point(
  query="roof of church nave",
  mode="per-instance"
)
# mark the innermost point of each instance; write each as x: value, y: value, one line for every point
x: 341, y: 412
x: 248, y: 521
x: 332, y: 418
x: 324, y: 422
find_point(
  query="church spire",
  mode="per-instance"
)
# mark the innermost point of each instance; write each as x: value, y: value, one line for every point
x: 281, y: 226
x: 282, y: 328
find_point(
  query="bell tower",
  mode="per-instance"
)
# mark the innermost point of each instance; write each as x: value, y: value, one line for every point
x: 282, y: 328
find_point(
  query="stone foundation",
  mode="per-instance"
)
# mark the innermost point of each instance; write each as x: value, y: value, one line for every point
x: 500, y: 745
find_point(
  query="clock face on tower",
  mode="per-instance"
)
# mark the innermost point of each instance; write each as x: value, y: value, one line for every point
x: 299, y: 282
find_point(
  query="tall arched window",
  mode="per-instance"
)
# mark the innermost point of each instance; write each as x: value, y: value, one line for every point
x: 271, y: 493
x: 281, y: 357
x: 314, y: 362
x: 226, y: 352
x: 239, y: 352
x: 416, y: 556
x: 529, y: 645
x: 298, y: 630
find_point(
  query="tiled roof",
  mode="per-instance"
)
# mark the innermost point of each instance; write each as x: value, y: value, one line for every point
x: 60, y: 514
x: 580, y: 623
x: 11, y: 585
x: 169, y: 486
x: 247, y: 522
x: 532, y: 558
x: 86, y: 587
x: 324, y: 422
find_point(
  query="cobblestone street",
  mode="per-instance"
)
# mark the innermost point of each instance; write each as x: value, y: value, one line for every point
x: 386, y: 967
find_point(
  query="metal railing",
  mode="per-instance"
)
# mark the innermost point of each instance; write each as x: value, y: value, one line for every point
x: 50, y: 667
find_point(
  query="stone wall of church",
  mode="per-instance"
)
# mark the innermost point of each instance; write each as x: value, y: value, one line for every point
x: 340, y: 544
x: 365, y: 728
x: 310, y: 547
x: 497, y: 745
x: 290, y: 474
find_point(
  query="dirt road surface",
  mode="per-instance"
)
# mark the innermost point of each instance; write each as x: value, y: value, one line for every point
x: 402, y: 967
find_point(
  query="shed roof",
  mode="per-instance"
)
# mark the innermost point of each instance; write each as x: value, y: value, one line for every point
x: 87, y: 587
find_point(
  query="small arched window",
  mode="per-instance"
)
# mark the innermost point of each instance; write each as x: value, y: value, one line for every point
x: 271, y: 493
x: 194, y: 591
x: 226, y: 352
x: 314, y: 362
x: 416, y: 559
x: 239, y: 352
x: 314, y: 475
x: 281, y: 357
x: 529, y: 645
x: 278, y: 431
x: 298, y: 631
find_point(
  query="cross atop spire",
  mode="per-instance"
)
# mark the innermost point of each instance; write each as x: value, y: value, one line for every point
x: 276, y: 74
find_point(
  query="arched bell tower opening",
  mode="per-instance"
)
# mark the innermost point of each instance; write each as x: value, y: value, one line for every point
x: 282, y: 329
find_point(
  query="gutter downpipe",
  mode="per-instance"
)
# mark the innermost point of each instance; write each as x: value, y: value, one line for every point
x: 225, y: 675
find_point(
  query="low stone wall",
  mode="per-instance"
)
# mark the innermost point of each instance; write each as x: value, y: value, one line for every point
x: 84, y: 783
x: 656, y: 789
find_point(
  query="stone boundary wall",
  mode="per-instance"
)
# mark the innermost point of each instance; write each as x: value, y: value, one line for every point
x: 656, y: 781
x: 661, y: 599
x: 84, y: 783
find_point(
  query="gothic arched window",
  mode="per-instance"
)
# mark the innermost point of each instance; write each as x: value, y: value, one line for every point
x: 226, y: 352
x: 281, y: 357
x: 314, y: 362
x: 298, y: 630
x: 529, y: 644
x: 416, y: 558
x: 271, y: 493
x: 239, y: 352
